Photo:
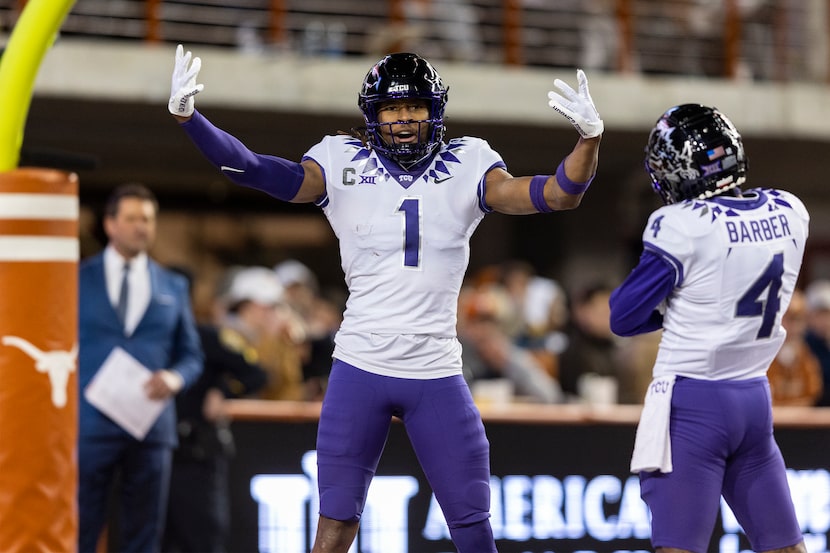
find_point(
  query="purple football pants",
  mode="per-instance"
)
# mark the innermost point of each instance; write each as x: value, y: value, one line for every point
x: 446, y: 432
x: 722, y: 444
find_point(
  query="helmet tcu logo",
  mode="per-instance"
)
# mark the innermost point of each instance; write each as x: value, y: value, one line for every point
x: 57, y: 364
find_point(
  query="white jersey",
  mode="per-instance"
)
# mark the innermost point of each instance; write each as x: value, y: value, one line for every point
x: 404, y: 248
x: 737, y: 261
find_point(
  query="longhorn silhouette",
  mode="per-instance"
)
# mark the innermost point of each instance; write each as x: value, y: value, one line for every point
x: 57, y: 364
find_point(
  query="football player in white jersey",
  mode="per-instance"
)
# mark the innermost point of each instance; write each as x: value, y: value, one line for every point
x: 403, y: 203
x: 718, y: 269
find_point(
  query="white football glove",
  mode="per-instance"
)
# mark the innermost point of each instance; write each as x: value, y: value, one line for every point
x: 578, y: 108
x: 183, y: 86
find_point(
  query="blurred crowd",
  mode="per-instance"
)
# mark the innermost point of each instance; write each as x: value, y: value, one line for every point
x: 277, y: 318
x: 525, y: 338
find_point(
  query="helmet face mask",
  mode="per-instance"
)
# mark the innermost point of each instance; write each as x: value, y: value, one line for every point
x: 694, y: 152
x: 398, y: 77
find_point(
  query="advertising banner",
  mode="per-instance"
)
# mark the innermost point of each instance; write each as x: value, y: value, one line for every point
x: 556, y: 488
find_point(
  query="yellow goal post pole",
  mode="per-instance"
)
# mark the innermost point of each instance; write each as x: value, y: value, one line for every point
x: 31, y: 37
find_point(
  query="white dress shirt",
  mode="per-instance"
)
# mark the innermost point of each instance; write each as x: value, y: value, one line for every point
x: 139, y: 281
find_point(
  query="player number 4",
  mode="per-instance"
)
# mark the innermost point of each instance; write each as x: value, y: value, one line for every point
x: 655, y: 226
x: 751, y: 303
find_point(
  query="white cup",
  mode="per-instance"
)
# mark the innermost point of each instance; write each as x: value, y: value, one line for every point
x: 492, y: 391
x: 596, y: 390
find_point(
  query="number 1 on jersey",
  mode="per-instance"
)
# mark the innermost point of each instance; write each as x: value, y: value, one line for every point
x: 411, y: 209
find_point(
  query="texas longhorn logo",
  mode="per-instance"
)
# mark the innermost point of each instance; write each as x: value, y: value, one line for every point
x: 57, y: 364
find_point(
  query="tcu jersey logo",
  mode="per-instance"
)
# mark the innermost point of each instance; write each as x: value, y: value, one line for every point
x: 57, y: 364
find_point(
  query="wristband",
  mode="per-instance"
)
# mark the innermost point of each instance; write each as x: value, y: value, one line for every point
x: 537, y: 193
x: 567, y: 185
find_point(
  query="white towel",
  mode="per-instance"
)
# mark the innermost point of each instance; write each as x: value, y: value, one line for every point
x: 652, y: 445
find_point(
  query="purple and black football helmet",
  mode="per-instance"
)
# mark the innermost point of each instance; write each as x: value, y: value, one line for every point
x: 694, y: 152
x: 404, y: 75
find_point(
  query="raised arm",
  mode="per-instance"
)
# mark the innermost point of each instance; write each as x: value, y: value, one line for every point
x: 284, y: 179
x: 564, y: 189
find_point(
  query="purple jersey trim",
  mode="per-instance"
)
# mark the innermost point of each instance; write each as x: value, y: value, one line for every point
x: 275, y: 176
x: 482, y: 187
x: 668, y: 258
x: 323, y: 200
x: 634, y: 303
x: 751, y: 199
x: 482, y: 204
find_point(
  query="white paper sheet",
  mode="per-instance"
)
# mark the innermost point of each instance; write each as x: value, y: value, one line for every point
x: 117, y: 390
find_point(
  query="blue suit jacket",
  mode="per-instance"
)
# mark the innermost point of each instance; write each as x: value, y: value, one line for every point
x: 165, y: 338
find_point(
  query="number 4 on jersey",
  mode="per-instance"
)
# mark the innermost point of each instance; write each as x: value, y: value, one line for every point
x: 752, y: 305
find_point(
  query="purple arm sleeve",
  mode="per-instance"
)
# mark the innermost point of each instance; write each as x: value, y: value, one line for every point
x: 273, y: 175
x: 634, y: 303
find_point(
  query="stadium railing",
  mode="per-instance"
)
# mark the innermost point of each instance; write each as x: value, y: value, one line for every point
x: 770, y: 40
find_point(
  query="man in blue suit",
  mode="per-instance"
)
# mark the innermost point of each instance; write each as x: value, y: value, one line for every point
x: 127, y: 300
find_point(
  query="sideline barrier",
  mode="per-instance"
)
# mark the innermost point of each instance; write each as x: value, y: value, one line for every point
x: 39, y: 254
x: 560, y: 482
x: 526, y: 413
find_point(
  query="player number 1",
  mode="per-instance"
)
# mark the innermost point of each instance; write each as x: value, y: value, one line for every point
x: 411, y: 209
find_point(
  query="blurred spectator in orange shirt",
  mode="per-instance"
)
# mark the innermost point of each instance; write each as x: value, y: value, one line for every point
x: 795, y: 374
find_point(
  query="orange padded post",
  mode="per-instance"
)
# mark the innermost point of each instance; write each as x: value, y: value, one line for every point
x: 39, y: 254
